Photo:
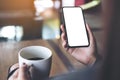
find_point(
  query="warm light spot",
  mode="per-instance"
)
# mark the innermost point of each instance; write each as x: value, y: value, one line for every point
x: 12, y: 32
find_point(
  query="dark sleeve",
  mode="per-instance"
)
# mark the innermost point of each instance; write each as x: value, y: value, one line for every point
x: 82, y: 74
x: 98, y: 62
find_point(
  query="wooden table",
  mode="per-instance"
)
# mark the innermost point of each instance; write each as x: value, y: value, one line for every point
x: 62, y: 62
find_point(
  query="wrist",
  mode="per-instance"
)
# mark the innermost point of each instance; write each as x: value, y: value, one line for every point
x: 91, y: 61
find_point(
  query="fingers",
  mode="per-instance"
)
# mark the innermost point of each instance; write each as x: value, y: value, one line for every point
x: 24, y: 72
x: 20, y: 74
x: 14, y: 66
x: 91, y: 37
x: 92, y: 40
x: 14, y: 75
x: 63, y: 37
x: 62, y: 28
x: 14, y: 71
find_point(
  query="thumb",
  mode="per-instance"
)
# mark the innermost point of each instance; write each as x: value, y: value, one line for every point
x: 24, y: 72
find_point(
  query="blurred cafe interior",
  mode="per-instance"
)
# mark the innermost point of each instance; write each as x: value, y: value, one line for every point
x: 25, y: 20
x: 40, y: 19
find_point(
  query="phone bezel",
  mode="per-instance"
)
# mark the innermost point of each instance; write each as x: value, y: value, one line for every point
x: 68, y: 45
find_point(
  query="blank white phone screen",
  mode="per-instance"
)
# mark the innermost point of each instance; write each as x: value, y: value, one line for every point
x: 75, y: 26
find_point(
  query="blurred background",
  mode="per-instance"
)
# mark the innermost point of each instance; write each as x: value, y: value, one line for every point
x: 41, y: 19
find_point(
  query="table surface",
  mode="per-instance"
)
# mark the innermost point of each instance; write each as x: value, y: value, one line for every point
x: 62, y: 62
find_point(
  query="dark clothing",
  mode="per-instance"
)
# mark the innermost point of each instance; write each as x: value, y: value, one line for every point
x: 85, y: 74
x: 89, y: 73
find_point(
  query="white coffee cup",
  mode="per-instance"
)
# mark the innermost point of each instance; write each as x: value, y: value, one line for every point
x: 40, y: 67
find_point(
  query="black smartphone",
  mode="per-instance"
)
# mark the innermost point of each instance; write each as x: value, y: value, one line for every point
x: 75, y: 27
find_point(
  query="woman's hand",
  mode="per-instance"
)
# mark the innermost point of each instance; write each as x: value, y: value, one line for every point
x: 20, y: 74
x: 86, y: 55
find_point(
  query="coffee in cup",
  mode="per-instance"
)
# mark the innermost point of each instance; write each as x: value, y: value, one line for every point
x: 39, y: 57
